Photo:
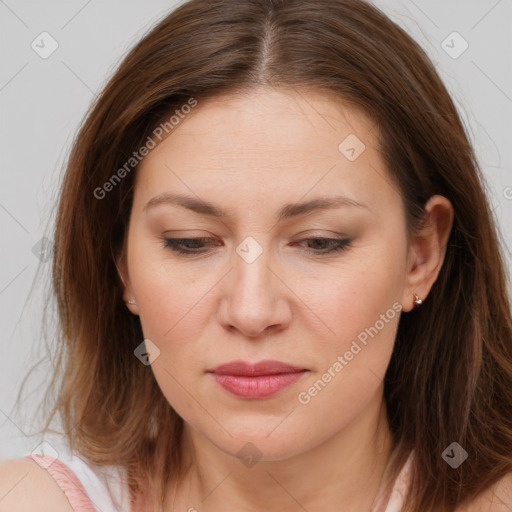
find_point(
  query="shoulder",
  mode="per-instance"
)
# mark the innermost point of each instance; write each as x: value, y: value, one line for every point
x: 24, y: 485
x: 498, y: 498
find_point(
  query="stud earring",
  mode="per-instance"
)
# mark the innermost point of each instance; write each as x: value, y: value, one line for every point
x: 130, y: 301
x: 417, y: 300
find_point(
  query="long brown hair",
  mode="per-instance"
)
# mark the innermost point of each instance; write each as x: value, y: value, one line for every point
x: 450, y: 375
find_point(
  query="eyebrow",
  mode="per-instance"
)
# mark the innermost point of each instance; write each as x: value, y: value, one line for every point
x: 289, y: 210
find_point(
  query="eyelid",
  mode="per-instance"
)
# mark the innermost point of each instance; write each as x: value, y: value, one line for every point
x: 321, y: 233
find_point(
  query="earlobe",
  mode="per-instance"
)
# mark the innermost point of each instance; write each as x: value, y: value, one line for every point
x: 417, y: 300
x: 427, y: 251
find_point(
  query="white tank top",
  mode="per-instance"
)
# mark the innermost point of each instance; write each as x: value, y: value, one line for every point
x: 85, y: 485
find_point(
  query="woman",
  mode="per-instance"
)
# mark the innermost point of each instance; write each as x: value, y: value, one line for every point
x: 279, y: 281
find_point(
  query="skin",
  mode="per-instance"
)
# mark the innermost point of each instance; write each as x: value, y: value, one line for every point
x: 252, y: 153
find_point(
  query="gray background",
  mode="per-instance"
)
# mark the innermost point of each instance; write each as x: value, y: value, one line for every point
x: 42, y: 102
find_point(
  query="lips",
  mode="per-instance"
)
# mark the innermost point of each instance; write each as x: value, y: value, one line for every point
x: 266, y: 367
x: 258, y: 380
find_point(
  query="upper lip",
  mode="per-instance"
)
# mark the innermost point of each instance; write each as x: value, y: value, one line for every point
x: 266, y: 367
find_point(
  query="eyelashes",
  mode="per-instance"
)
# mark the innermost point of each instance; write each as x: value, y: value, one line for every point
x: 175, y: 243
x: 182, y: 245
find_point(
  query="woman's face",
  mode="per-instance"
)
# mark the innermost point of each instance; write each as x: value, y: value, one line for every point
x: 262, y: 286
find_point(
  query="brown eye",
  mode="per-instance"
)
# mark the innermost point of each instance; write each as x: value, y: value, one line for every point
x: 190, y: 244
x: 326, y: 245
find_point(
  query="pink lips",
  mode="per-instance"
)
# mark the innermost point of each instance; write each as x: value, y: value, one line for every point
x: 259, y: 380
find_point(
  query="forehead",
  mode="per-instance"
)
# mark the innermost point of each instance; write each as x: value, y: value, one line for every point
x: 265, y: 142
x: 277, y: 118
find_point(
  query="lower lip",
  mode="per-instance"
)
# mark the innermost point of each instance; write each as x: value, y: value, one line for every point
x: 261, y: 386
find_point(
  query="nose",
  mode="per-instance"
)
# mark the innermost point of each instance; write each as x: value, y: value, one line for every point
x: 254, y: 298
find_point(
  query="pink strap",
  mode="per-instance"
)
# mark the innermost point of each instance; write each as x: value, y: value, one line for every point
x: 399, y: 489
x: 67, y: 481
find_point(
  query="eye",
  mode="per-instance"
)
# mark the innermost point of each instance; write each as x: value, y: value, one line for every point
x: 176, y: 244
x: 190, y: 246
x: 331, y: 244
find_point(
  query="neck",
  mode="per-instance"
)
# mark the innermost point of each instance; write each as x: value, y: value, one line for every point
x: 343, y: 473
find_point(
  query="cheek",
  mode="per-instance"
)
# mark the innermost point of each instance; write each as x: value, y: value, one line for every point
x: 360, y: 305
x: 168, y: 294
x: 173, y: 307
x: 363, y: 313
x: 171, y: 315
x: 355, y: 297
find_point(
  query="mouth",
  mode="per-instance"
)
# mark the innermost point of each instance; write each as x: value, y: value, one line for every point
x: 256, y: 381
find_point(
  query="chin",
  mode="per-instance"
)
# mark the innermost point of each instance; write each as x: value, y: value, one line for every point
x: 257, y: 445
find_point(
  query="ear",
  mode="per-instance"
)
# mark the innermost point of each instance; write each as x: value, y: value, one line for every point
x: 427, y: 250
x: 122, y: 269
